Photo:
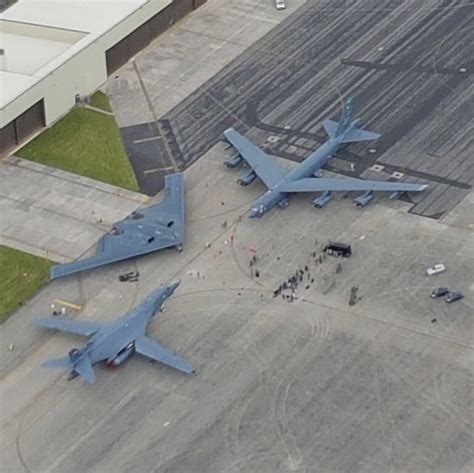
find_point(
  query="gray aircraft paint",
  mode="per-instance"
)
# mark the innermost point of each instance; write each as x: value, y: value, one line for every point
x: 280, y: 182
x: 144, y: 231
x: 117, y: 341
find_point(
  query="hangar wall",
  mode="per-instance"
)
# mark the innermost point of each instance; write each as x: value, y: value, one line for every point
x: 138, y: 39
x: 83, y: 73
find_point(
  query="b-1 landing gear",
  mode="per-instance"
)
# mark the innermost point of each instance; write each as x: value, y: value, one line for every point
x: 72, y: 374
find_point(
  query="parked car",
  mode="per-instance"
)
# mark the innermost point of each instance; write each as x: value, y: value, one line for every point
x: 280, y: 4
x: 436, y: 269
x: 439, y: 292
x: 453, y: 296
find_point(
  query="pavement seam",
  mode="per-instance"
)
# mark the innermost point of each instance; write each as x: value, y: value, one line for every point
x: 153, y: 114
x: 77, y: 179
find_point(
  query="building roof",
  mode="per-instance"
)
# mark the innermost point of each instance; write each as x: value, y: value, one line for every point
x: 37, y: 36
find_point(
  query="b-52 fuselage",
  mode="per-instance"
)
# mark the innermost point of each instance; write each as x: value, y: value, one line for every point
x: 116, y: 342
x: 306, y: 177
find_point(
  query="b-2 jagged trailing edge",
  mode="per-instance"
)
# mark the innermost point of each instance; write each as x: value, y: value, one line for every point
x: 144, y: 231
x: 306, y: 176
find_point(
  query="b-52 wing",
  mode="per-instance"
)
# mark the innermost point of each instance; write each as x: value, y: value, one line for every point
x: 151, y: 349
x: 267, y: 169
x: 72, y: 326
x: 311, y: 184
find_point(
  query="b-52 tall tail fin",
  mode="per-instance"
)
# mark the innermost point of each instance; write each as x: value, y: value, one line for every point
x: 335, y: 129
x: 346, y: 117
x: 343, y: 128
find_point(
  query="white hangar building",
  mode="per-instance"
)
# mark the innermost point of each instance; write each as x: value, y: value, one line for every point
x: 53, y: 50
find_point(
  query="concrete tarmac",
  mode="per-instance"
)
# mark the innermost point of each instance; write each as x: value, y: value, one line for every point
x: 56, y: 214
x: 311, y: 385
x: 408, y: 64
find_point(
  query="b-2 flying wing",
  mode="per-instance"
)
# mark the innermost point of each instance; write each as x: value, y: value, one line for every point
x: 306, y: 177
x: 116, y: 342
x: 144, y: 231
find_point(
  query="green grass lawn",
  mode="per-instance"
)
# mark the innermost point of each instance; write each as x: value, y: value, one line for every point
x: 21, y: 277
x: 100, y: 100
x: 84, y: 142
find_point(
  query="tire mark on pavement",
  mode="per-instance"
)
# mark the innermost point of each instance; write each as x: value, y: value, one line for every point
x: 318, y: 334
x: 387, y: 447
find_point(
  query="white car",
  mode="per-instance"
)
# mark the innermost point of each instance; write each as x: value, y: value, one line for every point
x: 436, y: 269
x: 280, y: 4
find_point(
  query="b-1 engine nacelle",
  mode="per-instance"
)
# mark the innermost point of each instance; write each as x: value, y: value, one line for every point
x: 74, y: 354
x: 72, y: 375
x: 247, y: 179
x: 122, y: 356
x: 364, y: 199
x: 233, y: 162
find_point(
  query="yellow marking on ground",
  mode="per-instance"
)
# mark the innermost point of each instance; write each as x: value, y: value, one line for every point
x: 151, y: 171
x: 145, y: 140
x: 68, y: 304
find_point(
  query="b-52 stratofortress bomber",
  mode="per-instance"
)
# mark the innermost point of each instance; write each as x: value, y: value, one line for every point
x: 116, y: 342
x: 306, y: 177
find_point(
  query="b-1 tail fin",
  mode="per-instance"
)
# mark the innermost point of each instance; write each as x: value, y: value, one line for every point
x: 63, y: 362
x: 84, y: 369
x: 81, y: 365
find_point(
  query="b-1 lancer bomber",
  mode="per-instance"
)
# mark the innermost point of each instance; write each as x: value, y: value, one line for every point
x: 306, y: 177
x: 116, y: 342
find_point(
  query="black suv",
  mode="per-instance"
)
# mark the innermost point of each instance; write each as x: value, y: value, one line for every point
x: 338, y: 249
x: 453, y: 296
x: 440, y: 292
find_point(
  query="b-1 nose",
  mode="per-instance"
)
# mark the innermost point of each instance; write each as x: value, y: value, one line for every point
x: 254, y: 213
x: 172, y: 287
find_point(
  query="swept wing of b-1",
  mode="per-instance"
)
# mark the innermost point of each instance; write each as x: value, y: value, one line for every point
x: 116, y: 342
x: 305, y: 177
